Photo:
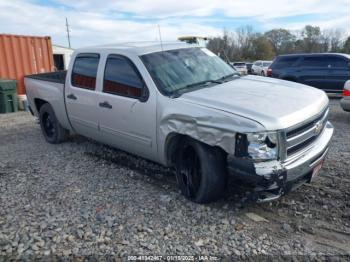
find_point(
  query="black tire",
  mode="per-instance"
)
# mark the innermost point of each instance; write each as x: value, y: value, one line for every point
x: 200, y: 171
x: 53, y: 132
x: 262, y: 73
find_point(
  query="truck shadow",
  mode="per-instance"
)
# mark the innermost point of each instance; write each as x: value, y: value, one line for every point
x: 236, y: 194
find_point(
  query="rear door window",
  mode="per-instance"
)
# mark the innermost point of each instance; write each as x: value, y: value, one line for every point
x: 84, y: 71
x: 315, y: 61
x: 122, y: 78
x: 337, y: 62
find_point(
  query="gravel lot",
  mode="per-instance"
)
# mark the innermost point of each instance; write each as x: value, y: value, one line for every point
x: 83, y: 198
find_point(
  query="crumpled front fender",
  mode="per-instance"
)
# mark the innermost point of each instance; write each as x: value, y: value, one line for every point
x: 210, y: 126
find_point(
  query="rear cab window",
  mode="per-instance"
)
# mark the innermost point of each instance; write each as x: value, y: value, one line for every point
x: 84, y: 71
x: 122, y: 78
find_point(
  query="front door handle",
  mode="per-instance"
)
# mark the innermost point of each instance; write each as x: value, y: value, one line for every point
x: 72, y: 96
x: 105, y: 104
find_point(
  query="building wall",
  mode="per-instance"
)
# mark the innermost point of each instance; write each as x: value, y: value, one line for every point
x: 66, y: 52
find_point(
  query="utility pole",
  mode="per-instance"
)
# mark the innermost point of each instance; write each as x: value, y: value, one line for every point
x: 160, y: 38
x: 68, y: 36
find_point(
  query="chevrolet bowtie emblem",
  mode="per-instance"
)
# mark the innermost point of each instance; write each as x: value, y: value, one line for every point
x: 318, y: 127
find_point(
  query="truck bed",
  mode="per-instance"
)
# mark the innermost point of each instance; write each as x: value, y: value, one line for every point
x: 56, y: 77
x: 48, y: 87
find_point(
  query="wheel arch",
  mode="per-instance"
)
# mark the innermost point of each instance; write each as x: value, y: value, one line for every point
x: 58, y: 108
x: 174, y: 141
x: 39, y: 103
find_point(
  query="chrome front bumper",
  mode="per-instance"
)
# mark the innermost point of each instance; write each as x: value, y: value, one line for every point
x: 275, y: 178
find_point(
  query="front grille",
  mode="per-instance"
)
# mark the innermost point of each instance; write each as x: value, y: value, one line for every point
x: 301, y: 137
x: 298, y: 147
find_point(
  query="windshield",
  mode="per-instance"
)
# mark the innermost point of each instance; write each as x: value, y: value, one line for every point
x: 186, y: 69
x: 266, y: 64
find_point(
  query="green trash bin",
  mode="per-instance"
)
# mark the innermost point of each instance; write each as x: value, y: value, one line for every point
x: 8, y: 96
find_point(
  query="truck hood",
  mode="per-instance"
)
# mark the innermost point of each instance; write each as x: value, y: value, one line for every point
x: 275, y: 104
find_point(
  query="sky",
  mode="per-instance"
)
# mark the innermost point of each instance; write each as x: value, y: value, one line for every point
x: 106, y: 21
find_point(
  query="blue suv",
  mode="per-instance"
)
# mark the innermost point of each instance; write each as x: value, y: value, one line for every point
x: 328, y: 71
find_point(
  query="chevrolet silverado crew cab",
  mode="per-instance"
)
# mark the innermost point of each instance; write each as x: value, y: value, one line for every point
x: 182, y: 106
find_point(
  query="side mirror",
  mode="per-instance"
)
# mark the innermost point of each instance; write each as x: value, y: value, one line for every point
x: 145, y: 94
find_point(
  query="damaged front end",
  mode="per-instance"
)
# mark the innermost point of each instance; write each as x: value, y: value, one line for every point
x: 268, y: 179
x: 262, y: 161
x: 256, y: 162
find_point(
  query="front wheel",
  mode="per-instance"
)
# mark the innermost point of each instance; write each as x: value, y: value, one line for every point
x: 53, y: 132
x: 200, y: 171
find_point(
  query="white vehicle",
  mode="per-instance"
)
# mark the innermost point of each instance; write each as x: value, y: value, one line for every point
x: 260, y: 67
x: 184, y: 107
x: 240, y: 67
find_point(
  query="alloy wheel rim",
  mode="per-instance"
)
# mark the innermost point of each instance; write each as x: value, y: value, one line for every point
x: 48, y: 125
x: 190, y: 173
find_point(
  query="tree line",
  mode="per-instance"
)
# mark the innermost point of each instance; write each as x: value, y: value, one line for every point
x: 244, y: 44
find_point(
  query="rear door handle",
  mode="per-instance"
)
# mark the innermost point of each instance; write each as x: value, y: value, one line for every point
x: 72, y: 96
x: 105, y: 104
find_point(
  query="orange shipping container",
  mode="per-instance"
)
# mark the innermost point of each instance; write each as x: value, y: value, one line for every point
x: 24, y: 55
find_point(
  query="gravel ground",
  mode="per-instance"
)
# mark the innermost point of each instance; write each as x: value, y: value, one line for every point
x: 83, y: 198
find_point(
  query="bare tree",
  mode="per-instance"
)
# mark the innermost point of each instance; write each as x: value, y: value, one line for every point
x: 221, y: 45
x: 244, y: 44
x: 332, y: 40
x: 244, y: 41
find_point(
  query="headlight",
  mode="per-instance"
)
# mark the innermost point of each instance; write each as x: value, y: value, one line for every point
x: 263, y: 146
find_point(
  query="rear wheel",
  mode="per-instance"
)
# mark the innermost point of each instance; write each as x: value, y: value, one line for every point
x: 53, y: 132
x: 262, y: 73
x: 200, y: 171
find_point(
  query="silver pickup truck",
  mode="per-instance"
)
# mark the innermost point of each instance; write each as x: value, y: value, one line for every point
x: 183, y: 107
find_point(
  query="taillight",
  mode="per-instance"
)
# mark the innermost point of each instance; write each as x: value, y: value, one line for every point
x: 269, y: 72
x: 346, y: 90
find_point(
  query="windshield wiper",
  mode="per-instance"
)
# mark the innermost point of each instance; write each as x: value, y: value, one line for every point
x: 201, y: 83
x: 227, y: 76
x: 176, y: 93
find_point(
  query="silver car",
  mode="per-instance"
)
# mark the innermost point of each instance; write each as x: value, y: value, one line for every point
x: 260, y: 67
x: 240, y: 67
